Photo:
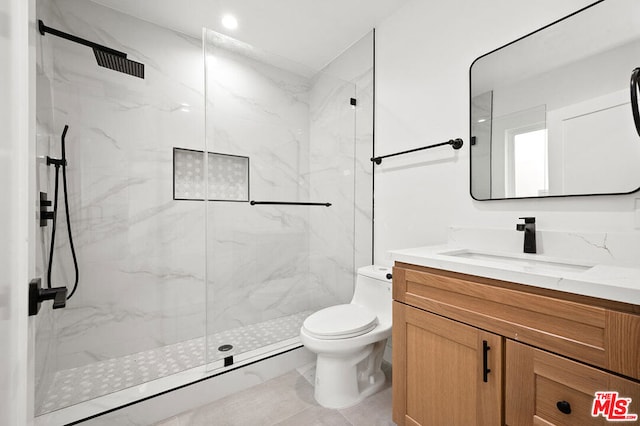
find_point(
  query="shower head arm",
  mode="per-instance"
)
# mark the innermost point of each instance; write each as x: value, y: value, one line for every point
x: 44, y: 29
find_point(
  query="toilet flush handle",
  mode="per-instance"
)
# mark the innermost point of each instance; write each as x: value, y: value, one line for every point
x: 389, y: 276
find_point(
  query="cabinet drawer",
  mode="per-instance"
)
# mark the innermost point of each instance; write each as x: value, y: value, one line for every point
x: 593, y: 334
x: 546, y: 389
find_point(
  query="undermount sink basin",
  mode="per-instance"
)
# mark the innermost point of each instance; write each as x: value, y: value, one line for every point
x: 521, y: 260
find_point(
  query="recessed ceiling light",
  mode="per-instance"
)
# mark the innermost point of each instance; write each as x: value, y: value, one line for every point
x: 230, y: 22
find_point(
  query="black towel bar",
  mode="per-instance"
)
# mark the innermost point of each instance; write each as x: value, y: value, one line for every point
x: 455, y: 143
x: 288, y: 203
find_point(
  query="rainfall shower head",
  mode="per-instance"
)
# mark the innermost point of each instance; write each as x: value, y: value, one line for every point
x: 105, y: 56
x: 118, y: 63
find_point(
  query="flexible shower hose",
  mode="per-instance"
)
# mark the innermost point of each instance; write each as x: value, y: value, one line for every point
x: 61, y: 163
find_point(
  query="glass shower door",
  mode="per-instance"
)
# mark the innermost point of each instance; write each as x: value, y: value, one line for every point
x: 138, y: 313
x: 280, y: 223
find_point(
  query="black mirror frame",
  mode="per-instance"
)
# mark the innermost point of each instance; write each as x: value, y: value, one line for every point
x: 471, y: 138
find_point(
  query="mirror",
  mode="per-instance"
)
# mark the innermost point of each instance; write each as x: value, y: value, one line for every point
x: 551, y: 112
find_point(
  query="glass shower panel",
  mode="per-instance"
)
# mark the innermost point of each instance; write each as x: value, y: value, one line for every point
x: 138, y: 312
x: 275, y: 259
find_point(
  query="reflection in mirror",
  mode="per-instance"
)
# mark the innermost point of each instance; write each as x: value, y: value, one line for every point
x: 551, y: 112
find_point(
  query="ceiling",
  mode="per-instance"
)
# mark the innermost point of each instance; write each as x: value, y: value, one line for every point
x: 309, y: 32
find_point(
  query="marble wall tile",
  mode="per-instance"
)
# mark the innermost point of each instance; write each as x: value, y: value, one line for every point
x: 255, y: 91
x: 300, y: 135
x: 257, y: 263
x: 141, y: 254
x: 348, y: 180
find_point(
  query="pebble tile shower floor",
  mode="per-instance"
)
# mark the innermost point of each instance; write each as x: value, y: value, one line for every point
x: 76, y: 385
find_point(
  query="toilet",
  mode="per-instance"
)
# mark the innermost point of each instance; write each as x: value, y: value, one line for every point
x: 350, y: 340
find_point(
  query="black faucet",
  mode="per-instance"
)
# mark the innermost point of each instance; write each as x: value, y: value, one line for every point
x: 37, y: 295
x: 529, y: 228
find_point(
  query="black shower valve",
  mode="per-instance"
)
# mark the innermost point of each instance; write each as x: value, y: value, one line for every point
x: 45, y: 215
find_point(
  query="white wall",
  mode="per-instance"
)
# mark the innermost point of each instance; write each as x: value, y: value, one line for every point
x: 423, y: 54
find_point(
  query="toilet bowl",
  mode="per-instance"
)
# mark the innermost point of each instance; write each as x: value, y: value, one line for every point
x: 350, y: 339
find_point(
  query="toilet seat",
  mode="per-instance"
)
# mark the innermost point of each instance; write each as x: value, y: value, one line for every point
x: 340, y: 322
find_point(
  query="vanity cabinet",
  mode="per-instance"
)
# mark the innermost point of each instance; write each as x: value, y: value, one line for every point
x: 546, y: 347
x: 450, y: 372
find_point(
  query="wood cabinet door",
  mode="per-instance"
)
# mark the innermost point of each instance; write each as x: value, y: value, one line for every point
x: 546, y: 389
x: 439, y: 371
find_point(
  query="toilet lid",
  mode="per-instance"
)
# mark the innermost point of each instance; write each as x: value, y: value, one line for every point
x: 340, y: 322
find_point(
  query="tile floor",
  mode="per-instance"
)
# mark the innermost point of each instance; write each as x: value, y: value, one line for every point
x: 287, y: 401
x: 84, y: 383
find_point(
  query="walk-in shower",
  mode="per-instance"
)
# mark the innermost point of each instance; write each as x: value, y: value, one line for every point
x: 214, y: 205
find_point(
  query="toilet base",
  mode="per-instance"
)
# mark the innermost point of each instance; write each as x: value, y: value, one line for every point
x: 343, y: 380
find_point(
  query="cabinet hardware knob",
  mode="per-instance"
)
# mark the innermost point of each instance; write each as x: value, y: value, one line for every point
x: 564, y: 407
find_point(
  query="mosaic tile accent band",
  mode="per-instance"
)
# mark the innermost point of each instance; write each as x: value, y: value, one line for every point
x: 228, y: 176
x: 75, y: 385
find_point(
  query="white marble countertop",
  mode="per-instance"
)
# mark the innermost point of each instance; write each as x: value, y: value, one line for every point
x: 604, y: 281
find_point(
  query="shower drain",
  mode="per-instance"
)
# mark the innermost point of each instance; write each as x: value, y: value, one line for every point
x: 225, y: 348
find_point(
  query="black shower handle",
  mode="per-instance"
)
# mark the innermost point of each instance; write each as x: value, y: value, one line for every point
x: 57, y: 294
x: 37, y: 295
x: 635, y: 79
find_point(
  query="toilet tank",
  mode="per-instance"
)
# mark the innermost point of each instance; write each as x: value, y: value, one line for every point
x: 373, y: 290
